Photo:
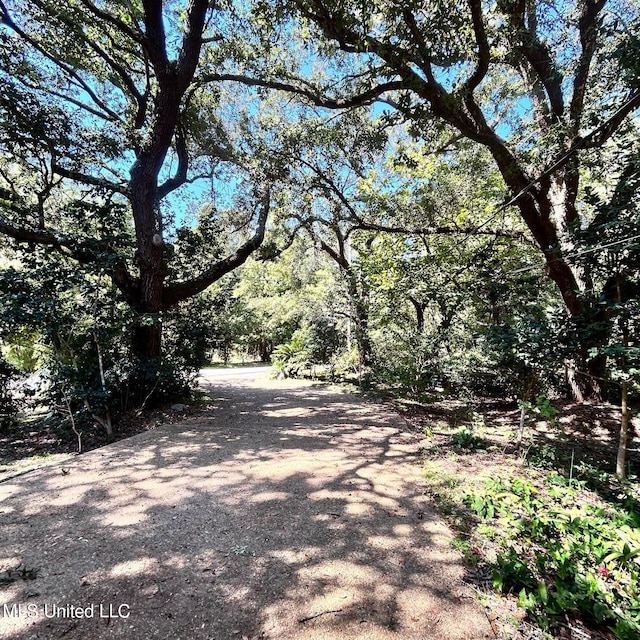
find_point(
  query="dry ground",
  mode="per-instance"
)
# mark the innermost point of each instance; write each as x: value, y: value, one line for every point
x: 288, y: 511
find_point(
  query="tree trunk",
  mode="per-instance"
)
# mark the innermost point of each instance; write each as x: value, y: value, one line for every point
x: 624, y: 404
x: 146, y: 341
x: 419, y: 309
x: 361, y: 326
x: 147, y: 334
x: 362, y: 337
x: 548, y: 212
x: 624, y: 433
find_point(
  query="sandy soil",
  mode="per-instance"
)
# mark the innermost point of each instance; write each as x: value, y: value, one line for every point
x: 289, y: 511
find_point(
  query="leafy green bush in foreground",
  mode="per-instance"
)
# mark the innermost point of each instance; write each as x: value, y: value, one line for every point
x: 560, y: 557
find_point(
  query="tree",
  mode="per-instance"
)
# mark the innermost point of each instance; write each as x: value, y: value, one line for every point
x: 537, y: 84
x: 107, y: 119
x: 296, y: 294
x: 613, y: 257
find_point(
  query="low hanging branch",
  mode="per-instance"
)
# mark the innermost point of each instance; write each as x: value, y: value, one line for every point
x: 361, y: 224
x: 182, y: 290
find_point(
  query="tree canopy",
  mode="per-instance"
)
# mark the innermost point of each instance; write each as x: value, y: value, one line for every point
x: 107, y: 119
x: 156, y: 145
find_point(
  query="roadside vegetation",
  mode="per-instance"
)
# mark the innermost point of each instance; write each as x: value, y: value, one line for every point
x: 550, y: 537
x: 436, y: 202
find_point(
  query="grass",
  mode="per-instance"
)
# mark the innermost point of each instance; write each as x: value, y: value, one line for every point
x: 547, y: 528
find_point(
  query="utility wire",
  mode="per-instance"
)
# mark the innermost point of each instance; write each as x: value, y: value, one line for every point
x: 580, y: 253
x: 580, y: 143
x: 577, y: 145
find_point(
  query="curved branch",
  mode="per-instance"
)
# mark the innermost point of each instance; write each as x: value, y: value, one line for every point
x: 155, y: 41
x: 483, y: 48
x: 446, y: 230
x: 425, y: 64
x: 180, y: 176
x: 175, y: 293
x: 68, y: 70
x: 116, y: 67
x: 83, y: 250
x: 192, y: 41
x: 537, y: 55
x: 600, y: 135
x: 58, y: 94
x: 116, y: 22
x: 366, y: 97
x: 94, y: 181
x: 587, y: 26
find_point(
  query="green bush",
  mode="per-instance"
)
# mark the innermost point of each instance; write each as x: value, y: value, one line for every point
x: 465, y: 438
x: 290, y: 357
x: 560, y: 558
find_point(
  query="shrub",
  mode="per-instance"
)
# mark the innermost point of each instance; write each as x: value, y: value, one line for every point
x: 563, y: 558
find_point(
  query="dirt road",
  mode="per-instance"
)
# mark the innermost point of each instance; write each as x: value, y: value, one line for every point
x: 287, y: 512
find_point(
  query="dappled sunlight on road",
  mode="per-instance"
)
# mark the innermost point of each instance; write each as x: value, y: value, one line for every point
x: 289, y: 513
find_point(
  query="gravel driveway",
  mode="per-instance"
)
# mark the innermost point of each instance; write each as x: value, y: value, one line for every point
x: 288, y: 511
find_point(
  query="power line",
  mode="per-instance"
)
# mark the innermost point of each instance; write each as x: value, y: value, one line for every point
x: 579, y: 144
x: 579, y: 253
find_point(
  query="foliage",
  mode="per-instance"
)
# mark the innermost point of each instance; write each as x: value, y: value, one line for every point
x: 561, y: 558
x: 75, y: 322
x: 8, y: 375
x: 541, y: 407
x: 297, y: 292
x: 465, y: 438
x: 290, y: 357
x: 529, y: 351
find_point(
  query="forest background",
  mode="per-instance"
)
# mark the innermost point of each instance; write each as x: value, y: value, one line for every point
x: 432, y: 199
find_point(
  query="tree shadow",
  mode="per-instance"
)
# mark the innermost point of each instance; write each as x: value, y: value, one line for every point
x: 288, y: 513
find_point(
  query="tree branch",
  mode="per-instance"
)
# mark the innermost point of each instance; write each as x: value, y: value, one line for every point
x: 155, y: 39
x: 600, y: 135
x: 123, y: 27
x: 483, y: 48
x: 108, y: 114
x: 366, y: 97
x: 425, y: 63
x: 94, y: 181
x: 192, y: 42
x: 179, y: 291
x: 117, y: 68
x: 537, y: 55
x: 446, y: 230
x: 587, y: 26
x: 180, y: 176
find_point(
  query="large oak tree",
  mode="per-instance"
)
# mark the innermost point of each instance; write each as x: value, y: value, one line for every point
x: 540, y: 85
x: 106, y: 115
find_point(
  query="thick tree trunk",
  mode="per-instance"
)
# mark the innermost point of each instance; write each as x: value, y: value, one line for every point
x: 362, y: 338
x: 419, y: 309
x: 147, y: 335
x: 549, y: 212
x: 146, y: 342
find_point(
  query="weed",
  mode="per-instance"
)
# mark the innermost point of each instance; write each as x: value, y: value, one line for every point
x: 465, y: 438
x: 462, y: 544
x: 560, y: 558
x: 544, y: 456
x: 542, y: 408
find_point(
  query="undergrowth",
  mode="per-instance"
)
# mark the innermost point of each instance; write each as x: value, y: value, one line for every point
x: 554, y: 532
x: 561, y: 556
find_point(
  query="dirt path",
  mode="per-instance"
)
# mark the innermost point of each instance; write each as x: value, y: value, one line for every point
x: 288, y: 512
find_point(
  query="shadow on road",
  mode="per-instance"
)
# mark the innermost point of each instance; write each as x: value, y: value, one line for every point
x: 290, y: 511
